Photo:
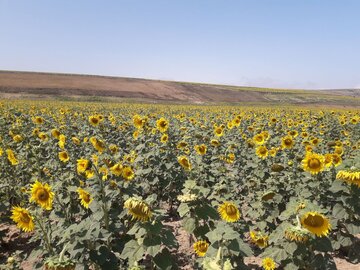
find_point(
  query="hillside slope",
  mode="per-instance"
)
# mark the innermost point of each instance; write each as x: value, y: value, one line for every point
x: 53, y: 85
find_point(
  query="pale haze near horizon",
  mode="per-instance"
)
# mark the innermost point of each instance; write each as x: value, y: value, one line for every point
x: 274, y: 43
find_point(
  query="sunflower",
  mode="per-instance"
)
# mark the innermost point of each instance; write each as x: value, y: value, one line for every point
x: 55, y: 133
x: 97, y: 144
x: 38, y: 120
x: 313, y: 163
x: 162, y: 125
x: 94, y: 120
x: 43, y: 136
x: 218, y: 131
x: 138, y: 121
x: 164, y: 138
x: 117, y: 169
x: 259, y: 139
x: 215, y: 142
x: 350, y: 176
x: 296, y: 234
x: 42, y: 195
x: 85, y: 198
x: 127, y: 173
x: 201, y: 247
x: 258, y: 239
x: 184, y: 162
x: 336, y: 159
x: 82, y: 165
x: 22, y: 218
x: 316, y: 223
x: 262, y: 152
x: 62, y: 141
x: 230, y: 158
x: 138, y: 209
x: 64, y: 156
x: 229, y: 212
x: 339, y: 150
x: 76, y: 140
x: 200, y: 149
x: 18, y: 138
x: 287, y: 142
x: 268, y: 264
x: 328, y: 160
x: 11, y: 157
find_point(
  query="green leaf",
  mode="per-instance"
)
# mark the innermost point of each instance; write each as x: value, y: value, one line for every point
x: 164, y: 260
x: 132, y: 251
x: 339, y: 211
x: 183, y: 209
x: 189, y: 224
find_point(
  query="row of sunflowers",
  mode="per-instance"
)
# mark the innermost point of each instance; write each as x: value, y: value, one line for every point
x: 97, y: 185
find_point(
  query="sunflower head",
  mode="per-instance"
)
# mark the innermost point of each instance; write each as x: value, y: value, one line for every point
x: 259, y: 239
x: 297, y: 234
x: 85, y: 198
x: 164, y: 138
x: 316, y: 223
x: 268, y: 264
x: 184, y: 162
x: 94, y: 120
x: 229, y: 212
x: 201, y: 247
x: 162, y: 125
x: 22, y: 218
x: 42, y: 195
x: 313, y: 163
x: 127, y: 173
x: 138, y: 209
x: 287, y: 142
x: 64, y: 156
x: 82, y: 165
x: 262, y: 152
x: 200, y: 149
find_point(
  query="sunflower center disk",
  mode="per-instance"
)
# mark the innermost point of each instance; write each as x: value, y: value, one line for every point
x: 314, y: 163
x: 315, y: 221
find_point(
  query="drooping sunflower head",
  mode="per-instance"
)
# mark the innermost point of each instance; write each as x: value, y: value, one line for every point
x: 268, y: 263
x: 22, y: 218
x: 259, y: 239
x: 138, y: 209
x: 38, y: 120
x: 313, y: 163
x: 85, y: 198
x: 184, y: 162
x: 297, y: 234
x: 42, y: 195
x: 229, y: 212
x: 11, y: 157
x: 215, y: 142
x: 351, y: 176
x: 328, y: 160
x: 201, y: 247
x: 316, y: 223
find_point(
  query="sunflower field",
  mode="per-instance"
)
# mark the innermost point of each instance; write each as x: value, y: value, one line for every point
x: 96, y: 185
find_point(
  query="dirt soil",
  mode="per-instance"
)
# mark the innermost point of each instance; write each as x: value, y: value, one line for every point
x: 45, y: 85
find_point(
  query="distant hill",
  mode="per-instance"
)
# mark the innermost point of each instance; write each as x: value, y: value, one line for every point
x: 15, y: 84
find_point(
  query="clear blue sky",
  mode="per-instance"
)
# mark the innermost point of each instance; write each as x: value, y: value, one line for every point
x: 272, y: 43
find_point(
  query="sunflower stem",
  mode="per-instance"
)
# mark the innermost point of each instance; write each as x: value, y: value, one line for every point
x: 103, y: 198
x: 298, y: 221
